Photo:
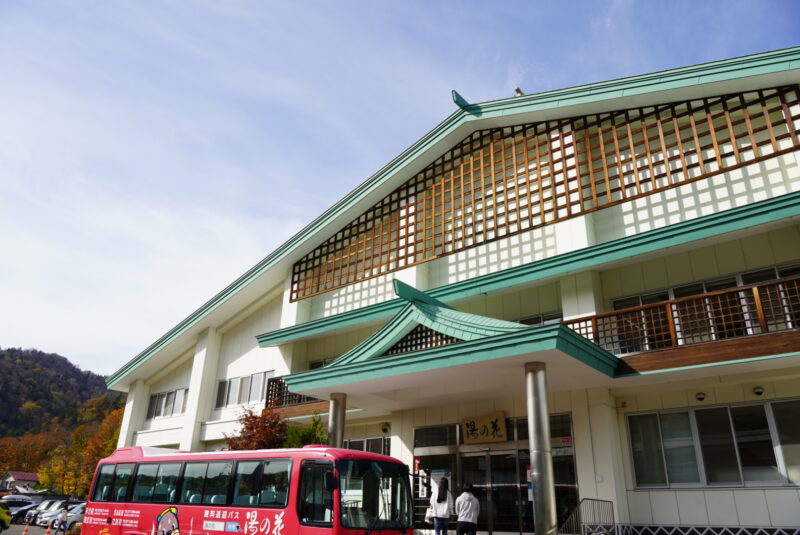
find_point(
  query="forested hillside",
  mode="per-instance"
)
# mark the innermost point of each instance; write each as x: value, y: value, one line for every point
x: 42, y: 391
x: 55, y: 419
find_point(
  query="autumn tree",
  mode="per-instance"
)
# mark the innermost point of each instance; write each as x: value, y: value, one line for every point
x: 259, y: 431
x: 27, y: 452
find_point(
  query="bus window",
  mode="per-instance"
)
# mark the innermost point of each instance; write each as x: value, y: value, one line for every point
x: 262, y: 482
x: 275, y: 482
x: 218, y: 477
x: 102, y: 486
x: 166, y: 482
x: 315, y: 504
x: 206, y: 483
x: 144, y: 483
x: 155, y: 482
x: 122, y: 478
x: 246, y: 482
x: 193, y: 479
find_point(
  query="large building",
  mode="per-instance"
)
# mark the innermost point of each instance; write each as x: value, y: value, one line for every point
x: 636, y: 242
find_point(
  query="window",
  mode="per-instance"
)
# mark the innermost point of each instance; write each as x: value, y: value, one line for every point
x: 742, y: 445
x: 543, y: 319
x: 239, y: 390
x: 315, y: 364
x: 170, y: 403
x: 112, y: 482
x: 155, y: 482
x: 708, y: 286
x: 206, y: 482
x: 262, y: 482
x: 315, y: 503
x: 444, y: 435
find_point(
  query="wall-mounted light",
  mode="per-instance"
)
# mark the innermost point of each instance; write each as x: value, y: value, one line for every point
x: 700, y: 396
x: 758, y: 391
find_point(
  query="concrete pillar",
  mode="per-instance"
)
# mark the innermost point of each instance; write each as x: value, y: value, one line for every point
x: 336, y: 420
x: 202, y: 387
x: 135, y: 412
x: 544, y: 497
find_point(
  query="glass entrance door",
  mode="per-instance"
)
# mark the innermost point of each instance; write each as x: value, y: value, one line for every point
x: 496, y: 479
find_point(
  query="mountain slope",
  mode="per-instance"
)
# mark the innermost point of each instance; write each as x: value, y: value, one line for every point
x: 42, y: 391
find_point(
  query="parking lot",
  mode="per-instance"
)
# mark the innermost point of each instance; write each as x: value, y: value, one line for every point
x: 16, y: 529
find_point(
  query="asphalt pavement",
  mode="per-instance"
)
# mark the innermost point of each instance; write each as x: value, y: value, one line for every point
x: 16, y: 529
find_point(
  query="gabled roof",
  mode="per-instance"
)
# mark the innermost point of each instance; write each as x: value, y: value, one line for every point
x: 23, y: 476
x: 484, y: 340
x: 775, y: 67
x: 422, y: 309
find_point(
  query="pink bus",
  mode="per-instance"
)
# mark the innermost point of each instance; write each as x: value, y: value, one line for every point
x: 314, y: 490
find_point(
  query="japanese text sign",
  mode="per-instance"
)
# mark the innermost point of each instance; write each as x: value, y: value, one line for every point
x: 486, y: 428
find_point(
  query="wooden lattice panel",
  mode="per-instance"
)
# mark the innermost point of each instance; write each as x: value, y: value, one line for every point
x: 502, y: 181
x: 419, y: 338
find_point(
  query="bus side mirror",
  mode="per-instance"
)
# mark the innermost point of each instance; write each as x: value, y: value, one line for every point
x: 331, y: 482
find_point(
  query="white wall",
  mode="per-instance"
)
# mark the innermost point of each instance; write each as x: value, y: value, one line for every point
x: 751, y: 252
x: 739, y: 187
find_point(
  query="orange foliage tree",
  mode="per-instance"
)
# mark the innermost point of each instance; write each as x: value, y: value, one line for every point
x: 259, y: 431
x: 27, y: 452
x: 70, y: 467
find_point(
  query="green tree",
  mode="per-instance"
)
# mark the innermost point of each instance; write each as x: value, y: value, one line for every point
x: 314, y: 432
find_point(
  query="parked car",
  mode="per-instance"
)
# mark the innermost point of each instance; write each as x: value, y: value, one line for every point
x: 15, y: 502
x: 49, y: 518
x: 5, y: 516
x: 75, y: 515
x: 32, y: 515
x: 18, y: 516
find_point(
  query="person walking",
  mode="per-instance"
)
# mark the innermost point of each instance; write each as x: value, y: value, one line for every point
x: 442, y: 507
x: 63, y: 515
x: 467, y: 508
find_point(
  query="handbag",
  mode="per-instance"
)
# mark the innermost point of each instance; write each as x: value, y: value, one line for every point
x: 429, y: 515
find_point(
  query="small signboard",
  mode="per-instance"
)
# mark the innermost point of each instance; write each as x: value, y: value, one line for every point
x: 486, y: 428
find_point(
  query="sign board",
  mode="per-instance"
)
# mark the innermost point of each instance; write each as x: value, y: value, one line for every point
x: 487, y: 428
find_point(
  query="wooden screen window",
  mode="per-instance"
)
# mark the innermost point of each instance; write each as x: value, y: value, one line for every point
x: 503, y: 181
x: 419, y: 338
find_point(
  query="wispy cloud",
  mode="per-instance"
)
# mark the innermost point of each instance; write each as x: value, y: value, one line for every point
x: 150, y: 152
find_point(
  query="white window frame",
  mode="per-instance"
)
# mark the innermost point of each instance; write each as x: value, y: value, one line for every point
x: 773, y: 433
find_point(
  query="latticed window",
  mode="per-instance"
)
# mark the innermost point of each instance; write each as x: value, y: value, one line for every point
x: 419, y: 338
x: 501, y: 181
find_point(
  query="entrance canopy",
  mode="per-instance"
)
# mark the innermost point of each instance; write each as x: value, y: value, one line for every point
x: 430, y: 353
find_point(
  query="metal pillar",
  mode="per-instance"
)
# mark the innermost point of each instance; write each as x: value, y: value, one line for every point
x: 336, y: 420
x: 544, y: 497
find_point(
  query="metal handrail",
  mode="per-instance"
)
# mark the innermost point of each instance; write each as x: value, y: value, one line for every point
x: 590, y: 517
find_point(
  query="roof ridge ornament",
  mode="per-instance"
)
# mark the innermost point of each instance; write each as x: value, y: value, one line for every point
x: 460, y: 101
x: 408, y: 293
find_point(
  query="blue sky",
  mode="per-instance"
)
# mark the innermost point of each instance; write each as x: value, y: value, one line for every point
x: 151, y: 152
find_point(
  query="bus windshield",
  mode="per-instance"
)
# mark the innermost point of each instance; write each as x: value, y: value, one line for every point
x: 375, y: 495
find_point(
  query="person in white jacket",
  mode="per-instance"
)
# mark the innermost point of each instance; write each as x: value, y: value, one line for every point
x: 467, y: 508
x: 442, y: 507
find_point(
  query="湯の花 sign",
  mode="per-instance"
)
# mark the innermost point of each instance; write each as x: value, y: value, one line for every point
x: 485, y: 428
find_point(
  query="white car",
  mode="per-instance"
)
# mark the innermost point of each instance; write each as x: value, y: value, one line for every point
x: 75, y: 515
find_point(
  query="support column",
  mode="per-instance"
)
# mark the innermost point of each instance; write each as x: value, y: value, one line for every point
x: 135, y: 412
x: 201, y: 388
x: 544, y: 497
x: 336, y: 420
